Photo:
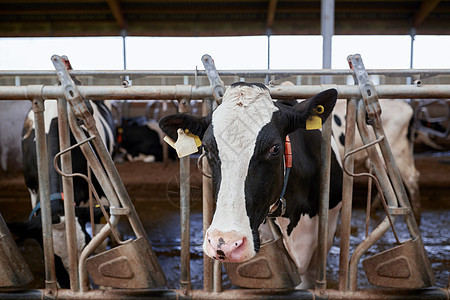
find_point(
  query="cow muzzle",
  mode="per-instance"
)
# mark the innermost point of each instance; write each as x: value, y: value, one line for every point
x: 228, y: 246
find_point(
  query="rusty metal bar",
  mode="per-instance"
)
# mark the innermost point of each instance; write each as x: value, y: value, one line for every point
x: 396, y: 179
x: 185, y: 198
x: 69, y: 209
x: 347, y: 194
x: 185, y: 280
x: 107, y: 188
x: 373, y: 237
x: 216, y: 84
x: 208, y: 209
x: 44, y: 194
x: 217, y: 275
x: 190, y: 92
x: 240, y: 73
x: 381, y: 229
x: 322, y: 247
x: 369, y: 294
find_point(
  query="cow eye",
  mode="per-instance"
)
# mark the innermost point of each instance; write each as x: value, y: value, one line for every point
x: 275, y: 149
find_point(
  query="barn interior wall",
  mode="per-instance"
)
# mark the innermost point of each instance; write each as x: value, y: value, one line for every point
x: 12, y: 116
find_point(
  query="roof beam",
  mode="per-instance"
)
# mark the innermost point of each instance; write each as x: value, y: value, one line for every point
x: 426, y: 7
x: 271, y: 13
x: 117, y: 12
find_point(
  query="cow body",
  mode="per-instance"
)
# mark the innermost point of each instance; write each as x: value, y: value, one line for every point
x: 33, y: 228
x: 244, y: 139
x: 140, y: 139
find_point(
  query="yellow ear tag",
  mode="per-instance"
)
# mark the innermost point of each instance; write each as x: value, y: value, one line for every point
x: 198, y: 141
x: 314, y: 121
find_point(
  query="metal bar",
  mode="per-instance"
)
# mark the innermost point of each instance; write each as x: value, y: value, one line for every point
x: 373, y: 237
x: 195, y: 93
x: 369, y: 294
x: 112, y: 198
x: 379, y: 231
x: 395, y: 177
x: 69, y: 209
x: 240, y: 73
x: 216, y: 84
x: 327, y: 29
x: 208, y: 209
x: 217, y: 274
x: 44, y: 196
x: 185, y: 198
x: 325, y: 153
x: 185, y: 273
x: 347, y: 194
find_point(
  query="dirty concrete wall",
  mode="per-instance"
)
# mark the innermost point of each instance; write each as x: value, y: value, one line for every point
x: 12, y: 115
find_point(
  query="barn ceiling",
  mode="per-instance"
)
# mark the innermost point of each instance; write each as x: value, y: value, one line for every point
x: 217, y: 17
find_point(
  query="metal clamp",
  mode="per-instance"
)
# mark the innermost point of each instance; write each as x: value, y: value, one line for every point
x: 71, y: 93
x: 119, y: 211
x: 368, y: 92
x: 217, y: 85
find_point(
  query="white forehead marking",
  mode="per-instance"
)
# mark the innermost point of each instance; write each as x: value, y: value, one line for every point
x: 239, y: 119
x: 236, y: 124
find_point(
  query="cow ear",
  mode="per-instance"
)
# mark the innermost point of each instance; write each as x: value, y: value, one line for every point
x: 318, y: 106
x: 197, y: 125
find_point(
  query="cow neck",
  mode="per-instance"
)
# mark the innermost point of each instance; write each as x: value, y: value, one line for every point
x: 278, y: 209
x: 53, y: 197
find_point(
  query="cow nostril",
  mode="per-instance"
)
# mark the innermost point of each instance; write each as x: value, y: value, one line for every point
x: 235, y: 244
x: 209, y: 241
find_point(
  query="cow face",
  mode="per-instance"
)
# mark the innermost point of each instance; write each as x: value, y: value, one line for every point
x: 244, y: 142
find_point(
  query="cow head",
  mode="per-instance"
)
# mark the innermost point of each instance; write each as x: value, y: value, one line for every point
x: 244, y: 143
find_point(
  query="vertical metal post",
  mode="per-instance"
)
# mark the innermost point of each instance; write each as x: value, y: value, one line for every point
x: 217, y: 273
x: 325, y: 153
x: 44, y: 197
x: 124, y: 33
x: 185, y: 280
x: 347, y: 194
x: 69, y: 210
x: 269, y: 33
x: 327, y: 29
x: 208, y: 209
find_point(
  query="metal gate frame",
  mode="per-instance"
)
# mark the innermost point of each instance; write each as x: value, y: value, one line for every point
x: 212, y: 287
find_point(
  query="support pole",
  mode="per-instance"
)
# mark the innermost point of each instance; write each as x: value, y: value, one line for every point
x: 208, y: 209
x: 69, y: 209
x: 327, y: 28
x: 327, y: 31
x: 185, y: 170
x: 44, y: 198
x: 347, y: 194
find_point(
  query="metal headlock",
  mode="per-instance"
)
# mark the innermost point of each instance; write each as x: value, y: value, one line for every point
x: 135, y: 256
x: 405, y: 266
x: 148, y: 270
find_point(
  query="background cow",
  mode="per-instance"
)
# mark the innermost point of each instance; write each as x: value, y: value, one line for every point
x: 33, y: 228
x: 244, y: 139
x: 140, y: 139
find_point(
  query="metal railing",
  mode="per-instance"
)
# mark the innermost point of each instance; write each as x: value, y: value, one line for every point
x: 38, y: 93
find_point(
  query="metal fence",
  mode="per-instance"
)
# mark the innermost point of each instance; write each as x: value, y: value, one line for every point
x: 105, y: 170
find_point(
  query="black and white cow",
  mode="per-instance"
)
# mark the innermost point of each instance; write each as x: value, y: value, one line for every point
x: 33, y: 228
x: 244, y: 139
x: 140, y: 139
